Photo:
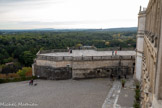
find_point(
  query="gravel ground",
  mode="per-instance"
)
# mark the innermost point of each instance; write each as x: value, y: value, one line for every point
x: 89, y: 93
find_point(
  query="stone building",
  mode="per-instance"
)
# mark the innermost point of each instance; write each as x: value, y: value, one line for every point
x: 139, y: 44
x: 149, y: 55
x: 61, y: 64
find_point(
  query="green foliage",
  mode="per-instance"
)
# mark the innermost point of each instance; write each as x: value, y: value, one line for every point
x: 2, y: 81
x: 12, y: 68
x: 136, y: 104
x: 23, y: 46
x: 14, y: 80
x: 137, y: 86
x: 23, y: 71
x: 27, y: 58
x: 123, y: 81
x: 78, y: 45
x: 137, y: 97
x: 10, y: 59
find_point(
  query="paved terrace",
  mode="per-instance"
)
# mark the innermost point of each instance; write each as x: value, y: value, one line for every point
x: 56, y: 94
x: 90, y: 53
x: 90, y: 93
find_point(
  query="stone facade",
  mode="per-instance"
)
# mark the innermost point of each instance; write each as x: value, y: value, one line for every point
x: 151, y: 77
x: 139, y: 44
x: 53, y: 73
x: 53, y: 66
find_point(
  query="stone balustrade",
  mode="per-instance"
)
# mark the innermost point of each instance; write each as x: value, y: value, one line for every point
x: 85, y: 58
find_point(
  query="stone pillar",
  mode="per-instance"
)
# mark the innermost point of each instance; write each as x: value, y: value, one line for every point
x: 139, y: 47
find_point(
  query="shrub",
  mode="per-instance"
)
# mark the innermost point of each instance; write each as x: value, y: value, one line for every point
x: 123, y: 81
x: 29, y: 73
x: 2, y: 81
x: 12, y: 75
x: 14, y: 79
x: 22, y: 73
x: 3, y: 76
x: 137, y: 86
x: 137, y: 97
x: 10, y: 68
x: 136, y: 104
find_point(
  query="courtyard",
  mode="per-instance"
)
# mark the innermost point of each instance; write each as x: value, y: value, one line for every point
x: 87, y: 93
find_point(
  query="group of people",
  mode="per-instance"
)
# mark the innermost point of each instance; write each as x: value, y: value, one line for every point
x: 31, y: 82
x: 70, y: 50
x: 114, y: 52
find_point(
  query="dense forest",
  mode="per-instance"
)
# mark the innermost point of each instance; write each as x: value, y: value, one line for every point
x: 20, y: 47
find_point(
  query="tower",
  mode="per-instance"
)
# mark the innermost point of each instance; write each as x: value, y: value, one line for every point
x: 139, y: 47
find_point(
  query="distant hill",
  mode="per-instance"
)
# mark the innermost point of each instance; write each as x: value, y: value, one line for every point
x: 66, y: 30
x: 122, y: 29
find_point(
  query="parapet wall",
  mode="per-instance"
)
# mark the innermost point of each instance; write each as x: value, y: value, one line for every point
x: 83, y: 63
x: 85, y: 66
x: 96, y: 49
x: 52, y: 51
x: 80, y: 58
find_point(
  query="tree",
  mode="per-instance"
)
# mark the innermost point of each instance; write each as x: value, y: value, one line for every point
x: 27, y: 58
x: 78, y: 45
x: 107, y: 43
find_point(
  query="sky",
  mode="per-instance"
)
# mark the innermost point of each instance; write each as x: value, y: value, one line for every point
x: 69, y: 14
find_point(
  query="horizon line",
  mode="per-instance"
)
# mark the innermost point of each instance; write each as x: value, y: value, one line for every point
x: 69, y: 28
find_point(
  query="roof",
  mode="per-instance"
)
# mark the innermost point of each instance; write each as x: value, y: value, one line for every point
x: 89, y: 53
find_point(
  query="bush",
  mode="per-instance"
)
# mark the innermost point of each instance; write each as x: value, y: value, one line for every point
x: 29, y: 73
x: 123, y: 81
x: 2, y: 81
x: 12, y: 75
x: 137, y: 97
x: 15, y: 79
x: 10, y: 68
x: 22, y: 73
x: 136, y: 104
x: 3, y: 76
x: 137, y: 86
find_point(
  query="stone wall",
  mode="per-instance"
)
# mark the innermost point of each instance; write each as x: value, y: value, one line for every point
x: 52, y: 73
x: 149, y: 72
x: 84, y: 67
x: 102, y: 72
x: 85, y: 58
x: 100, y: 68
x: 151, y: 86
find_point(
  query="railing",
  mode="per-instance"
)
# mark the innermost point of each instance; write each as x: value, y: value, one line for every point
x: 52, y: 51
x: 96, y: 49
x: 85, y: 58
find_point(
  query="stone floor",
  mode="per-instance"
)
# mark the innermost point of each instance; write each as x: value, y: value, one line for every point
x: 119, y: 97
x: 89, y: 53
x: 55, y: 94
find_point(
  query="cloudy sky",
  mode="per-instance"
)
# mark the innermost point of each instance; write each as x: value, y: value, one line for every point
x: 60, y: 14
